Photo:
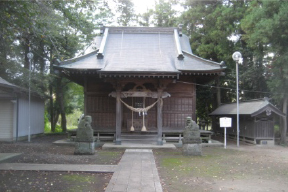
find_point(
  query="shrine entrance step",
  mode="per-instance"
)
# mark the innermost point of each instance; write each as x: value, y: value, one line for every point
x: 138, y: 137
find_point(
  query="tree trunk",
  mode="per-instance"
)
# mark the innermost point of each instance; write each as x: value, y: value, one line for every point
x: 55, y: 120
x: 3, y: 55
x: 284, y: 124
x: 26, y: 51
x: 60, y: 102
x: 51, y: 95
x: 63, y: 115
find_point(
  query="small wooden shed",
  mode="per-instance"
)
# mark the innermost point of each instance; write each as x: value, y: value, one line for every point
x: 256, y: 120
x: 14, y: 112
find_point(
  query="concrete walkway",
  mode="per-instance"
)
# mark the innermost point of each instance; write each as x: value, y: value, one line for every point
x: 4, y: 156
x: 136, y: 172
x: 58, y: 167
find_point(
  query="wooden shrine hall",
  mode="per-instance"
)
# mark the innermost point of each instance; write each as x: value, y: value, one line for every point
x: 140, y: 80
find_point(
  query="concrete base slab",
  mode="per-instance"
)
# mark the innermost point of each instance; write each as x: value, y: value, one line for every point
x: 58, y: 167
x: 138, y: 145
x: 64, y: 142
x: 4, y: 156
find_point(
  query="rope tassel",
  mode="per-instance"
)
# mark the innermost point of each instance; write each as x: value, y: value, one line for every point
x: 143, y: 110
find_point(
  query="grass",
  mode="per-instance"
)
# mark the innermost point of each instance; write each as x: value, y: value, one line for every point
x: 72, y: 122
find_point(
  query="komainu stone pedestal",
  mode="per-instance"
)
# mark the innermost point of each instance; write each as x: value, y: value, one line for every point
x: 191, y: 139
x: 84, y: 142
x: 192, y: 149
x: 84, y: 148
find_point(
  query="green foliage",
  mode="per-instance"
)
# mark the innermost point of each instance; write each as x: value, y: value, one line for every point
x: 126, y: 10
x: 46, y: 123
x: 49, y: 29
x: 145, y: 19
x: 165, y: 15
x: 72, y: 118
x: 262, y: 26
x: 58, y: 128
x: 266, y: 30
x: 216, y: 32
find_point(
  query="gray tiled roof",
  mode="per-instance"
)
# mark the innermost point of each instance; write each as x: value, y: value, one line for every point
x: 5, y: 83
x: 142, y: 49
x: 195, y: 63
x: 88, y: 61
x: 141, y: 52
x: 252, y: 107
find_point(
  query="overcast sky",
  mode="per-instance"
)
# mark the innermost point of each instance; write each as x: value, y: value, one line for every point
x: 141, y: 6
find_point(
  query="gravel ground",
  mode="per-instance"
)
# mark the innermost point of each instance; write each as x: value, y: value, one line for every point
x: 240, y: 169
x: 42, y: 150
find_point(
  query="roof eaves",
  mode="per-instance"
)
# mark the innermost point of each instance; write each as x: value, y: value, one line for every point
x: 140, y: 75
x: 205, y: 60
x: 73, y: 60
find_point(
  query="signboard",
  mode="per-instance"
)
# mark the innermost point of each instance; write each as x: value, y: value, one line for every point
x: 225, y: 122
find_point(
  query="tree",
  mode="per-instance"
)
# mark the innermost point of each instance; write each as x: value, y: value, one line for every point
x: 126, y: 10
x: 266, y: 28
x: 164, y: 15
x: 145, y: 19
x: 49, y: 29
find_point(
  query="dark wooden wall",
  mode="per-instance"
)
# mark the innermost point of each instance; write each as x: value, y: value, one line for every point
x: 250, y: 127
x: 180, y: 105
x: 99, y: 106
x: 102, y: 108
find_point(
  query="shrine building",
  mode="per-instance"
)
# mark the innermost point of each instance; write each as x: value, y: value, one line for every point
x: 140, y: 80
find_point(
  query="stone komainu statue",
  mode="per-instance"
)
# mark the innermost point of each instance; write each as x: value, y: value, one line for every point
x: 191, y: 139
x: 85, y: 132
x: 191, y: 133
x: 84, y: 142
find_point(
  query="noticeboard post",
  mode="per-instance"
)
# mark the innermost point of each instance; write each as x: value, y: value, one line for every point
x: 225, y: 122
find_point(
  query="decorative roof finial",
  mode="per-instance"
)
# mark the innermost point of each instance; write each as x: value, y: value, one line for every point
x: 180, y: 29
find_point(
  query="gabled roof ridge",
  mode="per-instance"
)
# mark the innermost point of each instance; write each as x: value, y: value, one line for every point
x: 245, y: 101
x: 197, y: 57
x: 274, y: 108
x: 141, y: 29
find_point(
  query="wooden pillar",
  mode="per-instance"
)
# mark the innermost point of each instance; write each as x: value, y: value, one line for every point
x: 218, y: 92
x: 194, y: 118
x: 85, y: 96
x: 159, y: 118
x: 118, y: 116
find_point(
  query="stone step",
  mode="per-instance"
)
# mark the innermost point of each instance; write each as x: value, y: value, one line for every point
x: 138, y: 137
